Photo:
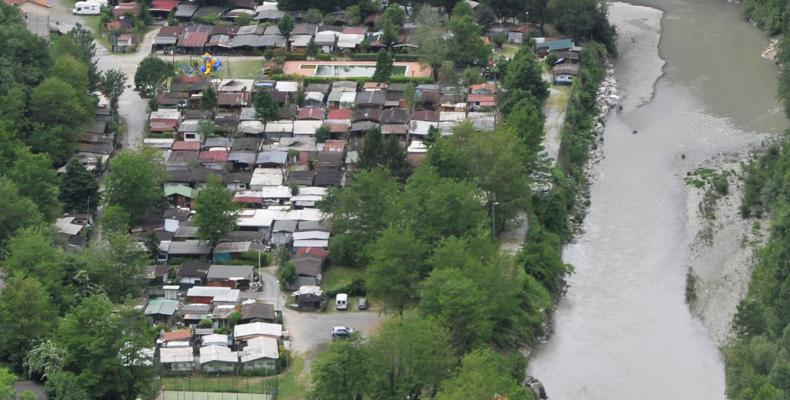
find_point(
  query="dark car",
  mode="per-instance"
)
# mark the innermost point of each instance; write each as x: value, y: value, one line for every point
x: 363, y: 303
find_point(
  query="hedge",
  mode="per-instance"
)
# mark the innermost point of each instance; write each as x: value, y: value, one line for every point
x: 359, y: 81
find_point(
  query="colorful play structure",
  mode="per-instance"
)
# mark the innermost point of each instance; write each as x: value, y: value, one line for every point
x: 210, y: 64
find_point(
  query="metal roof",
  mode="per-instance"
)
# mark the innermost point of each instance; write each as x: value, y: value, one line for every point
x: 161, y: 306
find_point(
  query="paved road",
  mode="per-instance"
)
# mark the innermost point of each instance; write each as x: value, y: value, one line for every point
x: 132, y: 108
x: 554, y: 110
x: 310, y: 330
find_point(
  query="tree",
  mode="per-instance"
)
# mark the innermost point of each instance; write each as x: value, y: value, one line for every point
x: 151, y: 74
x: 118, y: 267
x: 44, y: 359
x: 208, y: 101
x: 72, y: 71
x: 134, y: 182
x: 86, y: 50
x: 346, y: 383
x: 509, y: 8
x: 460, y: 212
x: 65, y: 385
x: 112, y: 83
x: 460, y: 304
x: 486, y: 16
x: 37, y: 180
x: 397, y: 264
x: 7, y: 380
x: 322, y: 134
x: 26, y: 59
x: 215, y: 211
x: 313, y: 16
x: 357, y: 214
x: 483, y: 375
x: 12, y: 207
x: 524, y: 72
x: 408, y: 358
x: 538, y: 11
x: 265, y: 106
x: 26, y: 315
x: 312, y: 48
x: 485, y: 158
x: 115, y: 219
x: 583, y: 19
x: 79, y: 188
x: 354, y: 14
x: 286, y: 26
x: 383, y: 71
x: 377, y: 151
x: 60, y: 116
x: 102, y: 350
x: 466, y: 46
x: 430, y: 37
x: 525, y: 120
x: 206, y: 128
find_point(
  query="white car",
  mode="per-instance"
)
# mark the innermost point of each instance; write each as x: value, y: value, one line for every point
x: 342, y: 332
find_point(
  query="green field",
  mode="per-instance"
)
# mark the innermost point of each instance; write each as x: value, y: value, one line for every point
x: 231, y: 69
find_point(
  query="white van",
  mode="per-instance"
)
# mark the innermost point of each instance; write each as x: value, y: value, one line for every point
x: 86, y: 8
x: 341, y: 301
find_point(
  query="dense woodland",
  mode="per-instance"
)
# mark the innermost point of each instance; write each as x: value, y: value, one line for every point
x: 758, y: 363
x: 425, y: 236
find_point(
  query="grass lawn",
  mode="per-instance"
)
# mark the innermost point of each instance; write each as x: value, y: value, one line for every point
x: 337, y: 276
x: 94, y: 23
x: 231, y: 69
x: 290, y: 383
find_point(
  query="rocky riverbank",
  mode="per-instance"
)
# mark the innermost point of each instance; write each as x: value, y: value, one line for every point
x: 723, y: 247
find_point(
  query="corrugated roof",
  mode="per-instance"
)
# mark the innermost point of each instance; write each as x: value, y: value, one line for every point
x: 193, y: 39
x: 161, y: 306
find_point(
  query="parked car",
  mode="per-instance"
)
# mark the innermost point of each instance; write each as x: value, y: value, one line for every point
x: 341, y: 301
x: 342, y: 332
x: 363, y: 303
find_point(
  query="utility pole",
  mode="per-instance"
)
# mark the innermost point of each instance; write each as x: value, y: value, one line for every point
x: 493, y: 218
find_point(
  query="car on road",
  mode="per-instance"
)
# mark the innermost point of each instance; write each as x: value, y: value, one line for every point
x: 342, y: 332
x: 363, y: 304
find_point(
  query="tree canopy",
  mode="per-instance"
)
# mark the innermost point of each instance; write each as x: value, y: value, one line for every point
x: 134, y: 182
x: 215, y: 211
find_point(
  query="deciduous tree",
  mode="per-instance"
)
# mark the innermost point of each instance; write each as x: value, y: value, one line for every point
x: 265, y: 106
x: 26, y: 315
x: 112, y: 84
x: 215, y: 211
x: 12, y: 207
x: 347, y: 383
x: 383, y: 71
x: 37, y: 180
x: 397, y: 264
x: 409, y: 357
x: 134, y: 182
x: 483, y: 375
x: 79, y: 188
x: 151, y: 74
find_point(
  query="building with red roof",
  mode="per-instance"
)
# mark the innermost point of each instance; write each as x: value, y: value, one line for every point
x: 182, y: 145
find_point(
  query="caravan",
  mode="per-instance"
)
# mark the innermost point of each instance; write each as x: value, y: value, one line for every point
x: 87, y: 8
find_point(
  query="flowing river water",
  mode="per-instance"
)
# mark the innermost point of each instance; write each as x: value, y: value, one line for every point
x: 623, y: 330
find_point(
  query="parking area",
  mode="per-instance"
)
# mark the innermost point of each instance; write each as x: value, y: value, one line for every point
x: 310, y: 330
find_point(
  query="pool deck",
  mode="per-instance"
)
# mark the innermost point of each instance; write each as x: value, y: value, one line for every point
x: 413, y: 69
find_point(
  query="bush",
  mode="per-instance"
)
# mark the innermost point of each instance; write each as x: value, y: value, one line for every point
x: 355, y: 288
x: 287, y: 274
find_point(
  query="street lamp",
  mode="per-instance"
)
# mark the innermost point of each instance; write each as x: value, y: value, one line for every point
x: 493, y: 219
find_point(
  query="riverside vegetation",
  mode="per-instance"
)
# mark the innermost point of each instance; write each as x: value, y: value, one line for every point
x: 421, y: 236
x: 758, y: 362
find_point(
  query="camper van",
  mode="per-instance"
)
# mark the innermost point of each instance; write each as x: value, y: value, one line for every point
x: 341, y: 301
x: 86, y: 8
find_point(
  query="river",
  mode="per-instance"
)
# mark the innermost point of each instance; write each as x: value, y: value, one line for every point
x: 623, y: 330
